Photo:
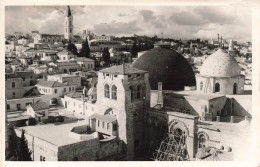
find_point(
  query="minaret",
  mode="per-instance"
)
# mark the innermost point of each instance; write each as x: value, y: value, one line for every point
x: 68, y: 25
x: 231, y: 45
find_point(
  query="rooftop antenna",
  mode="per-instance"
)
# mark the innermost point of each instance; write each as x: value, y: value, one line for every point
x: 218, y: 41
x: 162, y: 35
x: 123, y: 65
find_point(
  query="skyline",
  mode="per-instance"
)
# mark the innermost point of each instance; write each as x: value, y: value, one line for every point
x: 174, y: 21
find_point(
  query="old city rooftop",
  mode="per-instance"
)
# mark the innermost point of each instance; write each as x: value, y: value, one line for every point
x: 39, y: 106
x: 53, y: 84
x: 121, y: 69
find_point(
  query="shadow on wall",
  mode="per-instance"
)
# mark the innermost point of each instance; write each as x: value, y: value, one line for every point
x: 238, y: 107
x: 180, y: 102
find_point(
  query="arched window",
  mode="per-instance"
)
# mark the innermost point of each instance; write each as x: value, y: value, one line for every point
x: 138, y: 93
x: 202, y: 141
x: 132, y: 93
x: 114, y: 92
x: 217, y: 87
x: 201, y: 85
x: 235, y: 88
x: 107, y: 91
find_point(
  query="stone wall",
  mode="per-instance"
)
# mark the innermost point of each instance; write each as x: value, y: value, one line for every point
x: 226, y: 84
x: 41, y: 149
x: 187, y: 125
x: 109, y: 148
x: 81, y: 151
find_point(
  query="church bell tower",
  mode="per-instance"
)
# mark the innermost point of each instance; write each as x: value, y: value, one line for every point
x: 68, y: 25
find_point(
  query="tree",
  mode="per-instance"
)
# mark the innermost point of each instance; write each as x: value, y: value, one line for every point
x: 85, y: 51
x: 106, y: 55
x: 23, y: 152
x: 134, y: 51
x: 10, y: 152
x: 72, y: 48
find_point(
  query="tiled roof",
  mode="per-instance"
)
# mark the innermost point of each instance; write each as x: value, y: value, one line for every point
x: 105, y: 118
x: 74, y: 95
x: 51, y: 84
x: 39, y: 106
x: 119, y: 70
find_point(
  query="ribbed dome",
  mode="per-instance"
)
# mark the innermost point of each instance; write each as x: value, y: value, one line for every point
x: 166, y: 66
x: 220, y: 64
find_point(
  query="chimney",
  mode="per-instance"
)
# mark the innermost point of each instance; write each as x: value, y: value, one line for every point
x: 160, y: 95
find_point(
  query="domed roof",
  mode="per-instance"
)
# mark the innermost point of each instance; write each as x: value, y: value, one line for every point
x: 220, y: 64
x: 166, y: 66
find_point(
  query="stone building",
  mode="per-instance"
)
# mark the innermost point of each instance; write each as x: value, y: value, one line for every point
x: 63, y: 78
x: 220, y: 73
x: 126, y: 119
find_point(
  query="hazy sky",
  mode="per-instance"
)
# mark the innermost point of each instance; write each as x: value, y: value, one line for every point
x: 174, y: 21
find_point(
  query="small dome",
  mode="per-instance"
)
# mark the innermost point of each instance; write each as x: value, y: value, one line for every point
x: 92, y: 91
x: 111, y: 50
x: 220, y: 64
x: 166, y: 66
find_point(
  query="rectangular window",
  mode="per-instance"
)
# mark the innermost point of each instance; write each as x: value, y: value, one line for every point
x: 18, y: 106
x: 108, y: 126
x: 103, y: 124
x: 98, y: 124
x: 13, y: 84
x: 114, y: 127
x: 69, y: 89
x: 55, y: 91
x: 13, y: 93
x: 65, y: 89
x: 72, y: 88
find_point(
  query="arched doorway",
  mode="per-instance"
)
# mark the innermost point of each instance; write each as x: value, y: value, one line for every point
x: 178, y: 134
x: 202, y: 141
x: 235, y: 88
x: 54, y: 101
x: 217, y: 87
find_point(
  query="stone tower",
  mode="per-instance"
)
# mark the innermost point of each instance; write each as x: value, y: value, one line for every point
x: 129, y: 104
x: 68, y: 24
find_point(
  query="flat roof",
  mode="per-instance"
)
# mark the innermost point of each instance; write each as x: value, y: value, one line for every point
x: 120, y: 69
x: 17, y: 117
x: 55, y: 133
x: 194, y: 94
x: 105, y: 118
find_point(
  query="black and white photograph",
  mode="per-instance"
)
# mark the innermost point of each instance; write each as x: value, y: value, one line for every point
x: 127, y: 82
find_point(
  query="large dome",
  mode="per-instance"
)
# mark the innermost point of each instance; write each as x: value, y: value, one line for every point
x: 166, y: 66
x: 220, y: 64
